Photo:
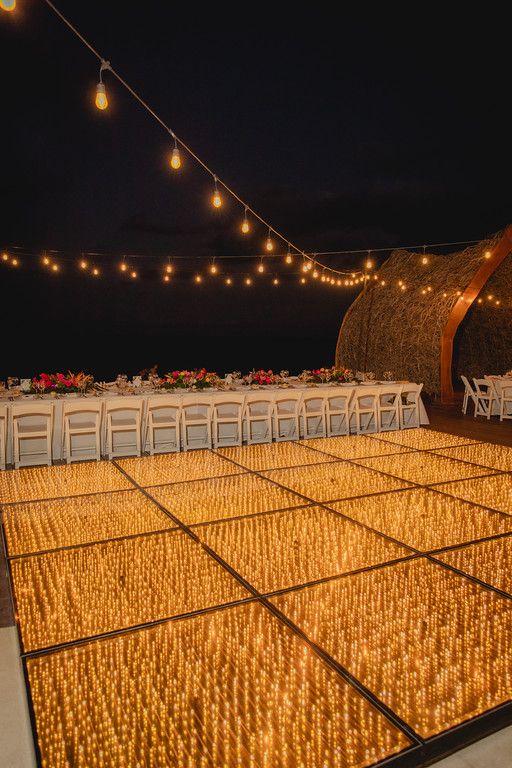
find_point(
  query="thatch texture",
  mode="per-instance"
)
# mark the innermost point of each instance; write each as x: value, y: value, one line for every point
x: 389, y: 329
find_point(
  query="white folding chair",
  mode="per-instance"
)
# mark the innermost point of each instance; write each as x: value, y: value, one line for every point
x: 285, y: 416
x: 257, y: 419
x: 506, y: 402
x: 486, y: 397
x: 196, y: 421
x: 312, y: 415
x: 228, y: 410
x: 469, y: 394
x: 163, y: 417
x: 337, y: 412
x: 3, y: 435
x: 78, y: 420
x: 388, y: 408
x: 410, y: 401
x: 123, y: 417
x: 32, y: 422
x: 366, y: 409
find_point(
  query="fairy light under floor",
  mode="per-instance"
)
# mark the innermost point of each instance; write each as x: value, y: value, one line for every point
x: 332, y: 602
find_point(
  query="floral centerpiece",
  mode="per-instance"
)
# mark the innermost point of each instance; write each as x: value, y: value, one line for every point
x: 261, y: 378
x: 326, y: 375
x: 61, y: 383
x: 197, y: 379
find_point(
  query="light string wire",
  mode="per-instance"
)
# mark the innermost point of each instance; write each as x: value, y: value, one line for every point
x: 247, y: 208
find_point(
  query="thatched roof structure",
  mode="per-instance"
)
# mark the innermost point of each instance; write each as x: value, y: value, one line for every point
x: 411, y: 330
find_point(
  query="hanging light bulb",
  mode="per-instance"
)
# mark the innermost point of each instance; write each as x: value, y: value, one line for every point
x: 169, y: 269
x: 383, y: 282
x: 134, y: 275
x: 424, y: 260
x: 303, y: 280
x: 315, y: 273
x: 487, y: 255
x: 8, y: 5
x: 228, y: 281
x: 166, y: 278
x: 304, y: 267
x: 5, y: 257
x: 55, y: 267
x: 175, y: 155
x: 198, y: 279
x: 323, y: 278
x: 101, y: 94
x: 248, y: 281
x: 269, y: 245
x: 261, y: 267
x: 83, y: 264
x: 123, y: 266
x: 96, y: 272
x: 289, y: 257
x: 216, y: 199
x: 15, y: 262
x: 275, y: 281
x: 214, y: 269
x: 245, y: 223
x: 369, y: 263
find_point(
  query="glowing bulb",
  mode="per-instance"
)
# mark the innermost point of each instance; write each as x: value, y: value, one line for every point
x: 383, y: 282
x: 228, y: 281
x: 346, y: 282
x: 303, y: 280
x: 424, y: 260
x: 490, y: 297
x: 338, y: 282
x: 245, y: 224
x: 498, y: 302
x: 487, y: 255
x: 83, y: 264
x: 198, y: 279
x: 123, y: 266
x: 304, y: 267
x: 459, y: 293
x: 261, y: 267
x: 323, y: 279
x: 402, y: 287
x: 101, y: 96
x: 46, y: 261
x: 213, y: 269
x: 5, y: 257
x: 166, y: 278
x: 315, y: 273
x: 289, y: 258
x: 248, y: 281
x: 175, y: 159
x: 169, y: 269
x: 353, y: 274
x: 369, y: 264
x: 269, y: 245
x: 445, y: 295
x: 309, y: 265
x: 429, y: 288
x: 133, y: 275
x: 96, y: 272
x: 275, y: 281
x: 351, y: 282
x: 423, y: 291
x: 216, y: 199
x: 15, y: 263
x: 55, y: 267
x: 7, y: 5
x: 479, y: 301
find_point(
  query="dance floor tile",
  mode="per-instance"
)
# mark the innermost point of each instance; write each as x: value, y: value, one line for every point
x: 231, y: 688
x: 352, y: 446
x: 31, y: 527
x: 494, y: 491
x: 273, y: 455
x: 490, y: 561
x: 296, y: 546
x: 31, y: 483
x: 423, y: 439
x: 176, y: 467
x: 425, y: 519
x: 424, y: 468
x: 432, y: 645
x: 485, y: 454
x: 223, y: 497
x: 76, y: 593
x: 337, y: 480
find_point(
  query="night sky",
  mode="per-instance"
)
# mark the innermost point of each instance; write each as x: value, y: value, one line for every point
x: 344, y: 131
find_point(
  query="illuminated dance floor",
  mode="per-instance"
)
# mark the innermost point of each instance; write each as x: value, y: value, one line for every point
x: 332, y: 603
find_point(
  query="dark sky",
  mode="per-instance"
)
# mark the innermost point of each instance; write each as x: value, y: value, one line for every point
x: 344, y: 131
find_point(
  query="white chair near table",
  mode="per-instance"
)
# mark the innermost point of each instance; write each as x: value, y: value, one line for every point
x: 366, y: 410
x: 227, y: 424
x: 32, y: 422
x: 78, y: 420
x: 388, y: 408
x: 410, y: 404
x: 506, y: 402
x: 285, y: 416
x: 469, y: 394
x: 257, y: 418
x: 3, y: 435
x: 486, y: 397
x: 123, y: 416
x: 312, y: 415
x: 163, y: 420
x: 196, y: 421
x: 337, y: 412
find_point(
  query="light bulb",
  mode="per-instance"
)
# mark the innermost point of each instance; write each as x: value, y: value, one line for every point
x: 101, y: 96
x: 303, y: 280
x: 55, y: 267
x: 213, y: 269
x: 83, y: 264
x: 346, y: 282
x: 369, y: 264
x: 198, y: 279
x: 175, y: 159
x: 498, y: 302
x: 269, y: 245
x: 323, y: 279
x: 228, y: 281
x: 133, y: 275
x: 166, y: 278
x: 96, y: 272
x: 338, y: 282
x: 123, y: 266
x: 261, y: 267
x: 15, y: 263
x: 402, y: 287
x: 245, y: 224
x: 424, y: 260
x: 383, y: 282
x: 216, y: 199
x: 304, y: 267
x: 429, y: 288
x: 487, y: 255
x: 289, y: 258
x: 248, y: 281
x: 7, y: 5
x: 169, y: 269
x: 46, y: 260
x: 423, y: 291
x: 315, y: 274
x: 490, y: 297
x: 275, y: 281
x: 445, y: 295
x: 480, y: 301
x: 5, y: 257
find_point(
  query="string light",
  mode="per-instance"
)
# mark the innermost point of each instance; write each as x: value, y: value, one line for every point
x: 175, y: 156
x: 369, y: 263
x: 166, y: 278
x: 169, y: 269
x: 303, y: 280
x: 15, y: 262
x: 248, y: 281
x: 261, y: 267
x: 269, y: 245
x: 55, y: 267
x: 275, y: 281
x: 8, y: 5
x: 134, y: 275
x: 487, y: 255
x: 228, y: 281
x: 315, y: 273
x: 101, y: 94
x: 216, y: 199
x: 198, y: 279
x: 83, y: 264
x: 5, y: 257
x: 123, y: 266
x: 289, y: 257
x: 245, y: 223
x: 213, y: 269
x: 96, y: 272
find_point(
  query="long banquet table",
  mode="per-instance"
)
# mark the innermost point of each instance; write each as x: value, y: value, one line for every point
x: 273, y: 390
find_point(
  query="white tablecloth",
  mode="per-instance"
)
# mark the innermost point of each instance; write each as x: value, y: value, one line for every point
x: 58, y: 403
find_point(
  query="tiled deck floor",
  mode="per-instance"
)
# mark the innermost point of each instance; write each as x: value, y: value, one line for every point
x: 333, y: 602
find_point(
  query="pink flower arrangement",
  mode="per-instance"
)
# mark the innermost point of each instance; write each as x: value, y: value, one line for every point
x: 261, y: 378
x: 325, y: 375
x: 196, y: 379
x: 58, y: 382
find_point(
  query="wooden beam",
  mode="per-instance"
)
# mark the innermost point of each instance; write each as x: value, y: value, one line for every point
x: 498, y: 254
